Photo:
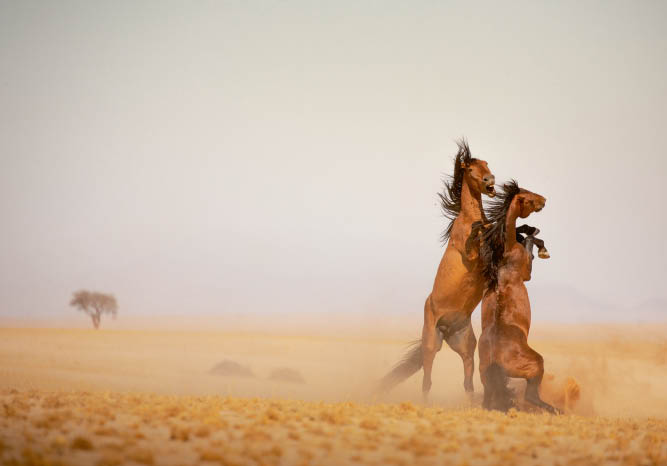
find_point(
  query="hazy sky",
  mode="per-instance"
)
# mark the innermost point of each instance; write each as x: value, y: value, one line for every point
x: 218, y: 157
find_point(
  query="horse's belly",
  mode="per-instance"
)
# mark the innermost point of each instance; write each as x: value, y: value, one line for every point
x: 456, y: 299
x: 457, y: 289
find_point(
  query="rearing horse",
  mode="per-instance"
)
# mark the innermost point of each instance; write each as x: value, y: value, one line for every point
x: 503, y: 346
x: 459, y: 282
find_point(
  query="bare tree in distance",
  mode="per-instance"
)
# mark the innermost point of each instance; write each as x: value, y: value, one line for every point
x: 95, y: 304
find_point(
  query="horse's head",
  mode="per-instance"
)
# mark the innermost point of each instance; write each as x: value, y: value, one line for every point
x: 478, y: 176
x: 527, y: 202
x: 468, y: 171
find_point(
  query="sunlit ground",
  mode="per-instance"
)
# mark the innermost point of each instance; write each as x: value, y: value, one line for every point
x: 120, y: 397
x: 120, y: 428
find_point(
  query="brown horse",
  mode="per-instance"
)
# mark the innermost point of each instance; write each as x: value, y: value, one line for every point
x: 459, y: 282
x: 528, y: 241
x: 503, y: 345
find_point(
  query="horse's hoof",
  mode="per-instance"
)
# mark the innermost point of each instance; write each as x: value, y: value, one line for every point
x: 543, y: 253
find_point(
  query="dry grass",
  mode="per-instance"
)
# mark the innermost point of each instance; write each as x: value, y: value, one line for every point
x: 229, y: 430
x: 115, y: 398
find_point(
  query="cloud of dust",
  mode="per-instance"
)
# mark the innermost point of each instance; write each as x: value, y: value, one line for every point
x: 618, y: 371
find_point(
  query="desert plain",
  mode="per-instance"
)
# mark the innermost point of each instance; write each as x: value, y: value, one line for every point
x: 114, y: 396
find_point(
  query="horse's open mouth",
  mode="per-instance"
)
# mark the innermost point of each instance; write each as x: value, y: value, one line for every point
x: 491, y: 191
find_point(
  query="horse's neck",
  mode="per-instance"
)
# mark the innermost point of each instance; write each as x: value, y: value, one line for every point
x: 471, y: 203
x: 510, y: 227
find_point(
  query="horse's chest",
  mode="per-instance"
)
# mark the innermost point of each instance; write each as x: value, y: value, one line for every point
x: 518, y: 261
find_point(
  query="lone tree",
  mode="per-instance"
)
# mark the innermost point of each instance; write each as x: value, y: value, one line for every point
x: 94, y: 304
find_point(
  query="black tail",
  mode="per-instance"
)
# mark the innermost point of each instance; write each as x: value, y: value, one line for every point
x: 411, y: 363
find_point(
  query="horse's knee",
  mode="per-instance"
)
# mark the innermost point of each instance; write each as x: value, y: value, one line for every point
x: 429, y: 348
x: 429, y: 338
x: 539, y: 364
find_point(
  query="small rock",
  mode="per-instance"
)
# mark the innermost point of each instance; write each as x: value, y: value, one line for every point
x: 231, y: 368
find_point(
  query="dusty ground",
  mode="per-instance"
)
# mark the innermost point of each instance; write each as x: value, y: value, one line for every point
x: 124, y: 397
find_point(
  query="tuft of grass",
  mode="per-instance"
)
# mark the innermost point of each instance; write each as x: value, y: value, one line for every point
x: 81, y: 443
x: 270, y: 431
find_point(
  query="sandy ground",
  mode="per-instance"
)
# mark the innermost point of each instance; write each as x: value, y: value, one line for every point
x: 127, y: 397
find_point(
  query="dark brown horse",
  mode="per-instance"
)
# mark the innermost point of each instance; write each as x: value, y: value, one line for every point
x: 526, y: 235
x: 459, y: 282
x: 503, y: 346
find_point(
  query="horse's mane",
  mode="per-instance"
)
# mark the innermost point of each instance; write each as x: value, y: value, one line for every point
x: 450, y: 198
x: 492, y: 246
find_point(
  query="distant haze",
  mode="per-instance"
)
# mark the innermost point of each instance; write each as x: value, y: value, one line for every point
x: 237, y: 158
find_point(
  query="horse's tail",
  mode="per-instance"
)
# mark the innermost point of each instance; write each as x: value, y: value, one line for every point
x: 411, y: 363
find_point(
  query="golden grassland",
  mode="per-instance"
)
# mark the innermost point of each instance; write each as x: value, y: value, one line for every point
x: 85, y: 397
x: 113, y: 428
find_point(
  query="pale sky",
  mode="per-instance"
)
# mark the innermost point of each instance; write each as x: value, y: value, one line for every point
x: 265, y: 157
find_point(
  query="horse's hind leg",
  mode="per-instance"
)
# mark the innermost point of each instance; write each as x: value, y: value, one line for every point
x: 489, y: 395
x: 431, y: 344
x: 464, y: 343
x: 533, y: 395
x: 532, y: 369
x: 484, y: 373
x: 497, y: 394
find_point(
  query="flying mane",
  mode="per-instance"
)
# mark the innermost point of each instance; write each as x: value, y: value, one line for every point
x: 492, y: 247
x: 450, y: 198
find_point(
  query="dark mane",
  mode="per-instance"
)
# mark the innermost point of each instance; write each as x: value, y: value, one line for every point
x: 492, y: 246
x: 450, y: 197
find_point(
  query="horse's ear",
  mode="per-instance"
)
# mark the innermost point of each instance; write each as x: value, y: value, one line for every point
x: 463, y: 164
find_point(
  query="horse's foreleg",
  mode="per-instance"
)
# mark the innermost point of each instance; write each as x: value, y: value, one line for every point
x: 472, y: 242
x: 541, y: 248
x: 528, y: 243
x: 532, y: 232
x: 527, y: 230
x: 464, y: 343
